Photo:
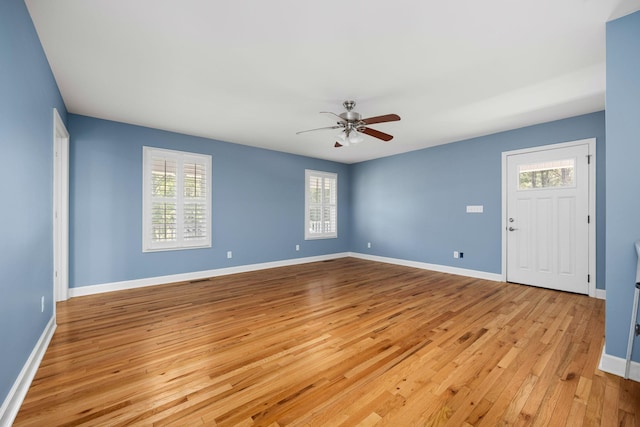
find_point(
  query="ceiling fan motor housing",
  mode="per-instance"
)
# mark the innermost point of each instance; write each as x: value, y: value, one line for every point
x: 351, y: 116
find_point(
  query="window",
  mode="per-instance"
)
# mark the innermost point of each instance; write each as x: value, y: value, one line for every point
x: 321, y: 205
x: 176, y: 200
x: 555, y: 174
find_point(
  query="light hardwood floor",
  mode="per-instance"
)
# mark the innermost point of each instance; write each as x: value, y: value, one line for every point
x: 344, y: 342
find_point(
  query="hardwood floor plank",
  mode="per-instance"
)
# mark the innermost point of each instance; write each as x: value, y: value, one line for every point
x: 343, y: 342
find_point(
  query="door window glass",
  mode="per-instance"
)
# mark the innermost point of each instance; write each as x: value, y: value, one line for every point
x: 554, y: 174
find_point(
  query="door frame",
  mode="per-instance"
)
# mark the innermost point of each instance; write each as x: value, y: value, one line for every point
x: 591, y: 143
x: 60, y: 210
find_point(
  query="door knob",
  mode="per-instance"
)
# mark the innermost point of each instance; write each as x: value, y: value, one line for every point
x: 512, y: 229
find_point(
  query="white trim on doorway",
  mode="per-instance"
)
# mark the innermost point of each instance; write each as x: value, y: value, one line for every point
x: 60, y: 210
x: 591, y: 143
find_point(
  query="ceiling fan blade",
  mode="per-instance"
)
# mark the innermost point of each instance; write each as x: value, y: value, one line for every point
x: 337, y: 145
x: 311, y: 130
x: 333, y: 114
x: 381, y: 119
x: 377, y: 134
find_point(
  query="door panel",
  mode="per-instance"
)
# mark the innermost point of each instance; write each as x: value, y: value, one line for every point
x: 566, y: 237
x: 542, y: 234
x: 524, y: 239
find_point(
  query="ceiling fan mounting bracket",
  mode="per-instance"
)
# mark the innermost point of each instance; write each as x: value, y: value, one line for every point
x: 349, y: 105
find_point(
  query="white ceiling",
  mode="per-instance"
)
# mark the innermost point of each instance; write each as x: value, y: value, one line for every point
x: 255, y: 72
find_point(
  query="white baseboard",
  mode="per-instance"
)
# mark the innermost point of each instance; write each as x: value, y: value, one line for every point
x: 600, y: 293
x: 434, y: 267
x: 14, y: 399
x: 617, y: 365
x: 185, y: 277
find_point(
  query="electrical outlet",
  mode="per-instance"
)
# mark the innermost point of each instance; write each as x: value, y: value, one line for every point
x: 297, y: 247
x: 229, y: 254
x: 369, y: 244
x: 456, y: 254
x: 42, y: 304
x: 475, y: 209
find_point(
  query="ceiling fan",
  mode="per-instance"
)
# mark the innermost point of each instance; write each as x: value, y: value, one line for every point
x: 353, y: 125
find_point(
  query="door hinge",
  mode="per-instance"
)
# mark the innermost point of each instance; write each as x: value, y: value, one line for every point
x: 588, y: 219
x: 588, y: 278
x: 588, y: 159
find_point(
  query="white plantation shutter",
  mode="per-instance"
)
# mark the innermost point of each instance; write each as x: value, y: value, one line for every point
x: 195, y: 200
x: 164, y: 199
x: 177, y: 200
x: 321, y: 205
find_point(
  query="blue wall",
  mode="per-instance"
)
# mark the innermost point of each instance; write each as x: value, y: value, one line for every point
x: 623, y: 190
x: 258, y: 204
x: 417, y: 198
x: 28, y: 94
x: 412, y: 206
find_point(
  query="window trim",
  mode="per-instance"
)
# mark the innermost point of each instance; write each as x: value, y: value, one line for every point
x: 307, y: 205
x: 180, y: 157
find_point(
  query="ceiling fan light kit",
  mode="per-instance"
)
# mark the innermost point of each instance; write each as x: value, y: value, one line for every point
x: 355, y: 138
x: 353, y: 126
x: 348, y: 137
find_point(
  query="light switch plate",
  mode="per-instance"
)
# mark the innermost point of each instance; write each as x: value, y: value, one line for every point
x: 475, y: 208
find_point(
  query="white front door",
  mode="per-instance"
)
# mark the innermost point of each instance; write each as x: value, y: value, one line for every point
x: 548, y: 218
